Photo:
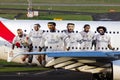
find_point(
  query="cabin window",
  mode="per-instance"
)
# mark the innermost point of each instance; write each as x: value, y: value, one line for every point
x: 58, y: 31
x: 117, y: 32
x: 110, y: 32
x: 95, y: 31
x: 117, y: 48
x: 113, y: 32
x: 25, y: 30
x: 76, y: 31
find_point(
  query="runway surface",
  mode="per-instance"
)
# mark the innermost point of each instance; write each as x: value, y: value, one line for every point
x: 55, y: 74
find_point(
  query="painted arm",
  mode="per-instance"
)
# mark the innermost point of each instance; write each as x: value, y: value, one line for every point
x: 110, y: 47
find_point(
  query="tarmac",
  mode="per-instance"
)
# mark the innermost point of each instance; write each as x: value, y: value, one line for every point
x: 55, y: 74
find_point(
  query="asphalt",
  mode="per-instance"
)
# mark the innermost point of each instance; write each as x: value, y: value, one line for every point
x: 55, y: 74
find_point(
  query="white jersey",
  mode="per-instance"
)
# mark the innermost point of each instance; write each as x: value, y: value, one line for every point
x: 75, y: 41
x: 54, y: 41
x: 102, y: 41
x: 87, y: 39
x: 20, y: 42
x: 36, y: 37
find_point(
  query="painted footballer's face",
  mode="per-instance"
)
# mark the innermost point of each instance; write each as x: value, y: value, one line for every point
x: 101, y: 31
x: 20, y: 33
x: 51, y: 27
x: 87, y: 28
x: 70, y: 28
x: 36, y: 28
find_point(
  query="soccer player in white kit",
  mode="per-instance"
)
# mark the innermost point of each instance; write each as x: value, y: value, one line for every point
x: 88, y: 37
x: 24, y: 43
x: 36, y: 36
x: 53, y: 40
x: 103, y: 41
x: 75, y: 38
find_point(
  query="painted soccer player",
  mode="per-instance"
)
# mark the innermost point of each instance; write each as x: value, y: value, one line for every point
x: 75, y: 38
x: 103, y: 41
x: 36, y: 36
x: 87, y: 36
x: 24, y: 42
x: 53, y: 39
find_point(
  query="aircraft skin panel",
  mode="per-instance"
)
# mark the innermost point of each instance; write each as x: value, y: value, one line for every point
x: 73, y: 55
x: 63, y: 64
x: 77, y: 54
x: 73, y: 65
x: 57, y: 61
x: 87, y: 61
x: 90, y: 69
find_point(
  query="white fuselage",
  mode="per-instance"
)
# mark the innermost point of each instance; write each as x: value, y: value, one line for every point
x: 113, y: 27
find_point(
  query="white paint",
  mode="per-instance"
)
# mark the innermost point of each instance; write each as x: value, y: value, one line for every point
x: 116, y: 70
x: 113, y: 26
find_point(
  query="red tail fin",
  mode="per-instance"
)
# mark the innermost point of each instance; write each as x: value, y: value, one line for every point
x: 5, y: 33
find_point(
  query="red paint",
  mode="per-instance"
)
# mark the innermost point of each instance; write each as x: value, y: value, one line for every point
x: 17, y: 44
x: 5, y: 33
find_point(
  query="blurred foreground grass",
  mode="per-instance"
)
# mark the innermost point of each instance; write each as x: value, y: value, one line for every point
x: 17, y: 67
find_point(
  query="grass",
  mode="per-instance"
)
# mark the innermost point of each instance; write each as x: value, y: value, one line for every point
x: 64, y: 17
x: 96, y: 9
x: 16, y: 67
x: 8, y: 16
x: 66, y: 1
x: 3, y: 62
x: 21, y: 69
x: 45, y: 15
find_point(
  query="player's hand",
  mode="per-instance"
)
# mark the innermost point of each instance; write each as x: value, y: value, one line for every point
x: 68, y: 48
x: 25, y: 43
x: 113, y: 49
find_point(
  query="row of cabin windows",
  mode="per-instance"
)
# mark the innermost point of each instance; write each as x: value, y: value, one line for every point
x: 108, y: 32
x: 80, y: 48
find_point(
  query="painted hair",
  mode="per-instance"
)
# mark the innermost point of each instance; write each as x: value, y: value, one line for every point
x: 86, y: 25
x: 101, y: 27
x: 53, y: 23
x: 37, y: 25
